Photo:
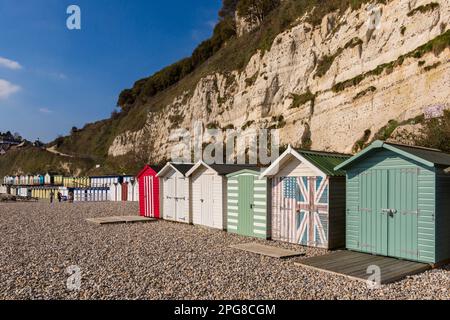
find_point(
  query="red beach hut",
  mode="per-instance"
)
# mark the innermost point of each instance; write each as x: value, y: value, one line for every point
x: 148, y: 192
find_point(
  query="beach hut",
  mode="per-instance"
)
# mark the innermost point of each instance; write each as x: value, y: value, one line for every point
x: 115, y: 192
x: 308, y: 198
x: 149, y: 192
x: 398, y: 202
x: 103, y: 181
x: 133, y: 191
x: 58, y: 180
x: 247, y: 208
x: 48, y: 179
x: 209, y: 192
x: 175, y: 192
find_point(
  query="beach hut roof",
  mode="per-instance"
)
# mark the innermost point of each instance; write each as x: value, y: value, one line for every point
x: 322, y: 162
x: 221, y: 169
x: 426, y: 156
x: 146, y: 167
x: 182, y: 168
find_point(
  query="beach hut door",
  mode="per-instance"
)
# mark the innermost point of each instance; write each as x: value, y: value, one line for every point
x: 180, y: 202
x: 403, y: 215
x: 388, y: 212
x: 206, y: 201
x: 245, y: 205
x: 148, y: 196
x: 169, y: 199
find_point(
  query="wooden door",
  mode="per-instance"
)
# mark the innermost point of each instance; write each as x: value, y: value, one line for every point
x: 169, y: 198
x: 206, y: 199
x: 403, y: 214
x: 181, y: 199
x: 373, y: 210
x: 148, y: 197
x: 245, y: 205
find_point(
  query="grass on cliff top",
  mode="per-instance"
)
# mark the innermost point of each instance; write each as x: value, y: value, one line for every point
x: 32, y: 160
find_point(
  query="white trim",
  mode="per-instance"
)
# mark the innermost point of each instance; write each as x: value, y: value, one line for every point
x: 275, y: 166
x: 198, y: 165
x: 170, y: 165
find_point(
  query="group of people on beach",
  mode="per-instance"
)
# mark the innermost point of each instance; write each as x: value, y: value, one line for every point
x: 60, y: 197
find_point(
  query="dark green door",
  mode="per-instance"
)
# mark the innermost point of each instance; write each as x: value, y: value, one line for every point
x: 388, y: 212
x: 245, y: 205
x: 402, y: 219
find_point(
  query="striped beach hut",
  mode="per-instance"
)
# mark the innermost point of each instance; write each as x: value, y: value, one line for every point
x: 175, y: 192
x: 248, y: 212
x: 149, y: 192
x: 209, y: 192
x: 308, y: 198
x: 104, y: 181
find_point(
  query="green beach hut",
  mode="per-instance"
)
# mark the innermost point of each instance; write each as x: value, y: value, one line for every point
x: 398, y: 202
x: 247, y: 210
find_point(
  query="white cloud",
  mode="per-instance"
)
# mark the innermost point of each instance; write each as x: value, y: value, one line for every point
x: 9, y: 64
x: 45, y: 110
x: 7, y: 89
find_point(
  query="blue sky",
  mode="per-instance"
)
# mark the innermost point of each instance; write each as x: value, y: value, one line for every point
x: 52, y: 78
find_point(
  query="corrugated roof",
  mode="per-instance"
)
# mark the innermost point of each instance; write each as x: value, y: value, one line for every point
x: 426, y: 156
x: 435, y: 156
x: 224, y: 169
x: 182, y: 167
x: 325, y: 161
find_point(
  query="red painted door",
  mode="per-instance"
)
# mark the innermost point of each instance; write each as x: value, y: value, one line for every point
x: 125, y: 191
x: 148, y: 197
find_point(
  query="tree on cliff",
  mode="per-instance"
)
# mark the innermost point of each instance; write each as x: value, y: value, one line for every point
x: 254, y: 11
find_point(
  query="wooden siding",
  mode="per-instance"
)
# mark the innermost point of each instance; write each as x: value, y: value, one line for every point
x: 388, y: 160
x: 171, y: 210
x: 260, y: 217
x: 213, y: 215
x: 442, y: 216
x: 292, y: 167
x: 300, y: 210
x: 149, y: 195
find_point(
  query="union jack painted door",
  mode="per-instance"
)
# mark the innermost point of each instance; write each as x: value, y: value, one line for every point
x: 300, y: 210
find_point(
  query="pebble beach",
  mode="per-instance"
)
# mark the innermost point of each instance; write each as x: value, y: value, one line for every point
x: 163, y: 260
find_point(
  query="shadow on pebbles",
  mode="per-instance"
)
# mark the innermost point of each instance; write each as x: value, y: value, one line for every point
x: 161, y: 260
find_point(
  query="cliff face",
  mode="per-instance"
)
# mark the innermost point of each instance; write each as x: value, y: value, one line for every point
x: 325, y: 86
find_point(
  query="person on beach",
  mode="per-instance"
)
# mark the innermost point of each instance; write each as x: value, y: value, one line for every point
x: 71, y: 197
x: 52, y: 195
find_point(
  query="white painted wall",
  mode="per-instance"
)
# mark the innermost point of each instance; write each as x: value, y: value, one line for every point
x: 208, y: 185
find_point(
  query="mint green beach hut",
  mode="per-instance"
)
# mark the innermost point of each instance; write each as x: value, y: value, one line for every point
x: 247, y: 209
